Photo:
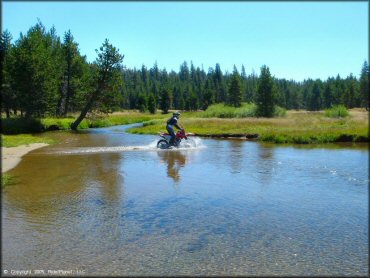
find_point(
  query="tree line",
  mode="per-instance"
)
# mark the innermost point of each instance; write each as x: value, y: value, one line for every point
x: 45, y: 75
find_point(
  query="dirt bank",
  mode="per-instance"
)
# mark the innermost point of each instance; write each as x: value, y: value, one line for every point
x: 12, y: 156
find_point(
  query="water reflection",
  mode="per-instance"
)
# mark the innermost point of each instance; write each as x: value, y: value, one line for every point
x: 265, y: 163
x: 236, y: 155
x: 50, y: 186
x: 117, y: 213
x: 175, y: 161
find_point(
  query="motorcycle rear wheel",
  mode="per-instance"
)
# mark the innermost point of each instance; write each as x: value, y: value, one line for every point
x: 163, y: 144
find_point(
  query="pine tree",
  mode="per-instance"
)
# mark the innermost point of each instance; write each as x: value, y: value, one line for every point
x: 235, y: 94
x: 142, y: 103
x: 314, y: 102
x: 72, y: 69
x: 364, y: 85
x: 7, y: 93
x: 351, y: 95
x: 166, y: 99
x: 35, y: 76
x: 328, y: 95
x: 266, y: 94
x: 107, y: 80
x: 152, y: 105
x: 193, y: 102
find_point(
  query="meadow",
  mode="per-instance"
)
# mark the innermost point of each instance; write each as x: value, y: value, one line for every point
x: 301, y: 127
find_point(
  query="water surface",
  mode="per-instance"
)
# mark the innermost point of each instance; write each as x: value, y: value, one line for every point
x: 108, y: 203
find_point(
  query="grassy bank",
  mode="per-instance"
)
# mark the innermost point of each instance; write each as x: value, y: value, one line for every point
x: 21, y: 125
x: 296, y: 127
x: 291, y: 127
x: 23, y: 139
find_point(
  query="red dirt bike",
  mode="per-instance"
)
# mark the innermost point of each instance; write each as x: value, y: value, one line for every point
x: 164, y: 143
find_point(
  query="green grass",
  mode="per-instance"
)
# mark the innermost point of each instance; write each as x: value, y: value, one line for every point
x: 301, y: 127
x: 337, y: 111
x: 23, y: 139
x: 7, y: 180
x: 22, y: 125
x: 297, y: 127
x: 123, y: 118
x: 246, y: 110
x: 224, y: 111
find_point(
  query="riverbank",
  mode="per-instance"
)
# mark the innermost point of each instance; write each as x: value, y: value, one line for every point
x: 12, y: 156
x: 298, y: 127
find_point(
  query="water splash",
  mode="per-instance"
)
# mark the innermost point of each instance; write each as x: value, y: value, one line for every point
x: 190, y: 144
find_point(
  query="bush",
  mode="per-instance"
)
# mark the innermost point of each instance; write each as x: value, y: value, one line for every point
x: 279, y: 111
x: 337, y: 111
x: 246, y: 110
x: 21, y: 125
x: 223, y: 111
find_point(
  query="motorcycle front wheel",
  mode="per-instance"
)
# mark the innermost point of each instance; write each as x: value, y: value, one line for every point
x: 163, y: 144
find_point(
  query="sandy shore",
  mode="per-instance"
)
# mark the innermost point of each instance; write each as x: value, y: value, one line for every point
x: 12, y: 156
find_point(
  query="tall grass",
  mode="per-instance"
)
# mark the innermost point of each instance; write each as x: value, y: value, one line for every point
x: 246, y: 110
x: 297, y: 127
x: 7, y: 180
x: 223, y: 111
x: 337, y: 111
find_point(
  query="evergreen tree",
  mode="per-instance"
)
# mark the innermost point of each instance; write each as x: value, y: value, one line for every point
x: 364, y: 85
x: 235, y: 94
x: 181, y: 102
x: 193, y: 102
x: 243, y: 74
x: 35, y: 77
x: 328, y: 95
x: 208, y: 96
x: 314, y: 103
x: 184, y: 72
x: 7, y: 93
x: 142, y: 103
x: 266, y: 94
x: 152, y: 105
x: 107, y: 80
x: 351, y: 95
x: 72, y: 70
x: 166, y: 98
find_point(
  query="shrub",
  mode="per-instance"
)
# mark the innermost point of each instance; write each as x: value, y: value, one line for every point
x: 21, y: 125
x: 279, y: 111
x: 337, y: 111
x: 223, y: 111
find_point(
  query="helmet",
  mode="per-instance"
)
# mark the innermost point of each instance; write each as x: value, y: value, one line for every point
x: 176, y: 114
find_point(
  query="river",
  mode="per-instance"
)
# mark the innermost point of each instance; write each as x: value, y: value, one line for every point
x: 105, y: 202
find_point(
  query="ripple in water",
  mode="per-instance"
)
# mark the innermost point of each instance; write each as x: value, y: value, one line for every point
x: 190, y: 144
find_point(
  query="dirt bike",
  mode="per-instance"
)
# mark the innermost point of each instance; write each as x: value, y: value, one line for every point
x: 164, y: 143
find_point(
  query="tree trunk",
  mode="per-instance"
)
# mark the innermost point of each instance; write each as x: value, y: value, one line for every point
x: 7, y: 110
x: 61, y: 103
x: 89, y: 104
x: 84, y: 111
x: 66, y: 107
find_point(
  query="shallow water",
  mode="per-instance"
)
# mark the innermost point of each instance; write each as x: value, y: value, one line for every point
x: 105, y: 202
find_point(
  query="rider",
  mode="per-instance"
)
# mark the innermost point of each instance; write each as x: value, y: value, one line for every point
x: 170, y: 124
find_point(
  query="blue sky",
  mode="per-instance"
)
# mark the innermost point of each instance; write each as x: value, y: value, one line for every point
x: 296, y: 40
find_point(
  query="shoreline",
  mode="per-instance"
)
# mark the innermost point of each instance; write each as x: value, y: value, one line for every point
x: 11, y: 156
